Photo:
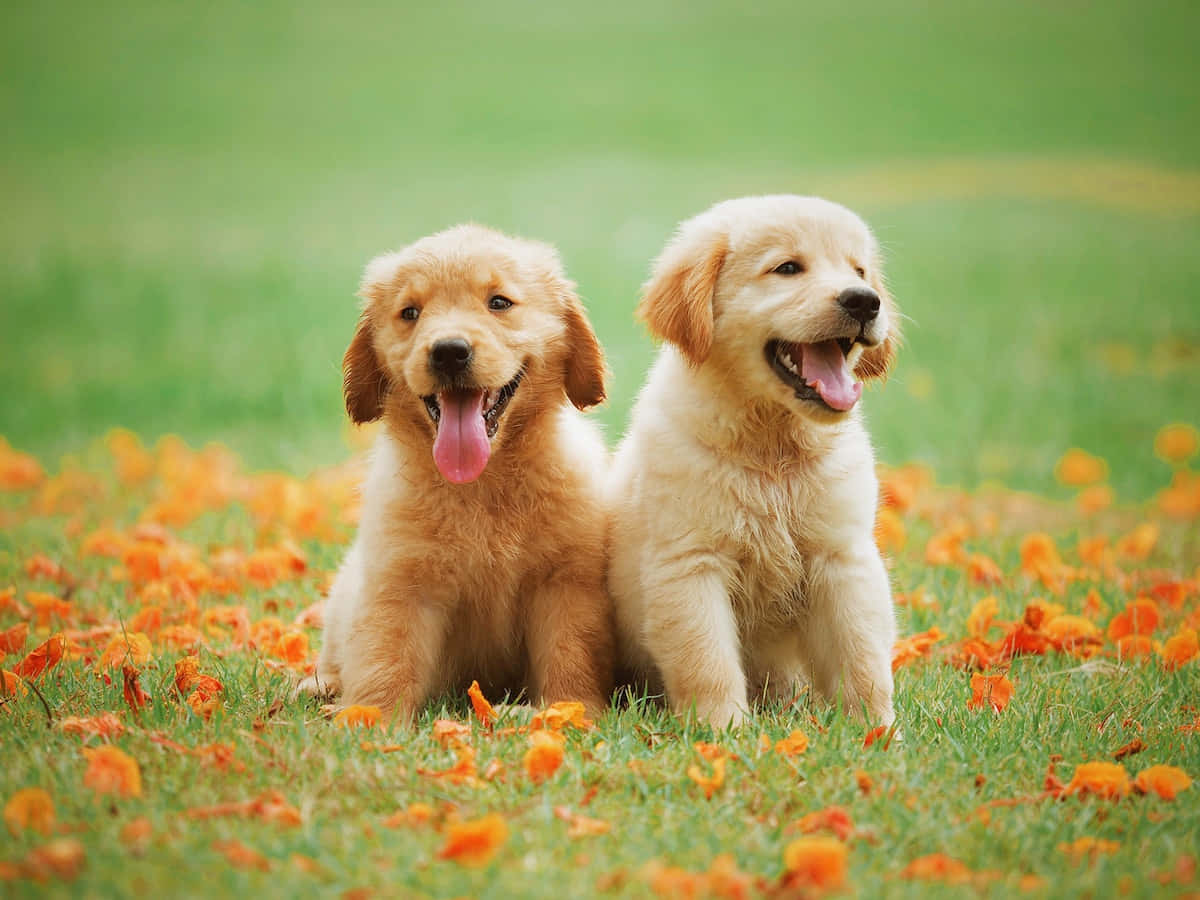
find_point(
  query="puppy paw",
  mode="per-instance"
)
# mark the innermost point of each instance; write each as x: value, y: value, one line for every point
x: 319, y: 687
x: 722, y: 715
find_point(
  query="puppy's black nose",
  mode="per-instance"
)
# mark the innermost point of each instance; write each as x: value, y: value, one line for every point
x: 450, y: 357
x: 860, y: 303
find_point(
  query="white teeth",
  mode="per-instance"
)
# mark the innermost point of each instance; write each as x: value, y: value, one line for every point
x: 786, y: 360
x: 852, y: 357
x: 489, y: 400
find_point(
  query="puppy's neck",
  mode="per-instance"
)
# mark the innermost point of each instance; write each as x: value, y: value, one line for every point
x: 760, y: 432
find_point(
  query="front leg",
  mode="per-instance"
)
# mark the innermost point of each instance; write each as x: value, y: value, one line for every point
x: 569, y: 635
x: 393, y: 648
x: 850, y: 630
x: 691, y: 633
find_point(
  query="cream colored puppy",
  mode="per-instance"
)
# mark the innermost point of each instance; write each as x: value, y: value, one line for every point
x: 744, y: 495
x: 481, y: 548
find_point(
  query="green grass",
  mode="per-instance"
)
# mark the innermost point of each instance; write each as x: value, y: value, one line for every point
x: 630, y: 771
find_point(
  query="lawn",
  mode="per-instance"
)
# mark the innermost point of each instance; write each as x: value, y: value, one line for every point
x: 192, y: 194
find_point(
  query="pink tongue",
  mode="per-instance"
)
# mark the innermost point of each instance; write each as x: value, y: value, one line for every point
x: 824, y: 368
x: 462, y: 448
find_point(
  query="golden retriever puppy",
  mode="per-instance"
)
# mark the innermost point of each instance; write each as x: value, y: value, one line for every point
x: 480, y: 550
x: 744, y: 493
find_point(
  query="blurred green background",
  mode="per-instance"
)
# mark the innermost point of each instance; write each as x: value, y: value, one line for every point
x: 191, y: 191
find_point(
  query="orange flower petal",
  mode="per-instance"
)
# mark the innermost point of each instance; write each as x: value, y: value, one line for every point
x: 29, y: 808
x: 358, y: 717
x: 1166, y: 781
x: 483, y: 710
x: 112, y: 771
x: 815, y: 862
x: 990, y: 690
x: 475, y: 842
x: 1104, y: 779
x: 545, y: 754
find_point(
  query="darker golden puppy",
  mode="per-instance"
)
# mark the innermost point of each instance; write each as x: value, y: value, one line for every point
x: 480, y: 552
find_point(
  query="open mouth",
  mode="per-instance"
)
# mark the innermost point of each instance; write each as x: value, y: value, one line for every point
x: 492, y: 407
x: 467, y: 419
x: 821, y: 372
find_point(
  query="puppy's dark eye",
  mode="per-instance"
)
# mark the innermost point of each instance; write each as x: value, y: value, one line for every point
x: 499, y: 304
x: 860, y: 271
x: 410, y: 313
x: 791, y: 267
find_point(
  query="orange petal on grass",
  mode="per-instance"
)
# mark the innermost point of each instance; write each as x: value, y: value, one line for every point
x: 1078, y: 468
x: 483, y: 710
x: 136, y: 834
x: 792, y: 745
x: 558, y: 716
x: 1137, y: 745
x: 112, y: 771
x: 1139, y: 543
x: 414, y: 815
x: 131, y: 689
x: 982, y: 569
x: 815, y: 862
x: 1094, y: 499
x: 47, y: 607
x: 463, y: 771
x: 105, y: 725
x: 45, y: 656
x: 890, y: 534
x: 447, y: 732
x: 990, y: 690
x: 1177, y: 443
x: 545, y: 754
x: 18, y: 471
x: 62, y: 858
x: 946, y: 547
x: 358, y: 717
x: 980, y: 618
x: 579, y: 826
x: 1070, y: 632
x: 877, y: 733
x: 914, y: 646
x: 937, y: 867
x: 1104, y: 779
x: 709, y: 783
x: 1088, y: 848
x: 1181, y: 648
x: 242, y: 857
x: 29, y: 809
x: 1133, y: 646
x: 475, y: 842
x: 11, y: 685
x: 1139, y: 617
x: 832, y: 818
x: 13, y: 639
x: 1166, y: 781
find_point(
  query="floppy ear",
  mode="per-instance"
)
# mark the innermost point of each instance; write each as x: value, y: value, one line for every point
x: 585, y: 368
x: 364, y: 382
x: 877, y: 361
x: 677, y: 301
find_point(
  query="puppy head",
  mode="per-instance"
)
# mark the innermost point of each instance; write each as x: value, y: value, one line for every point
x: 785, y: 292
x: 466, y: 335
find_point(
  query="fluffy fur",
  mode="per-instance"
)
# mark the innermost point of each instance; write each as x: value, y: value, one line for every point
x: 501, y: 578
x: 742, y: 558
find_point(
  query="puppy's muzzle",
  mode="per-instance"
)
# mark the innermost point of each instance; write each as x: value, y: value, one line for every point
x: 860, y: 304
x: 450, y: 358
